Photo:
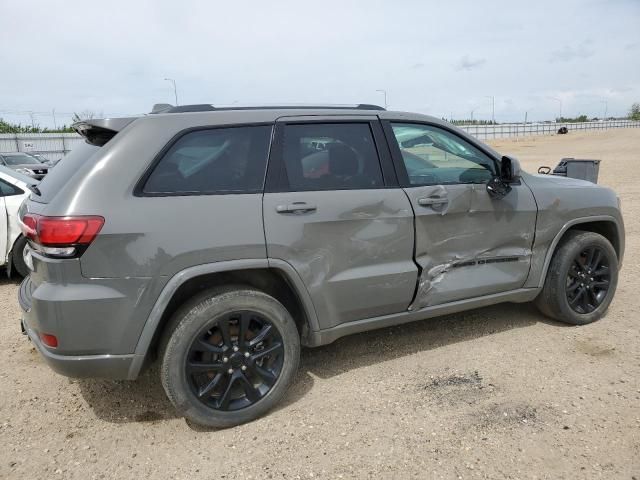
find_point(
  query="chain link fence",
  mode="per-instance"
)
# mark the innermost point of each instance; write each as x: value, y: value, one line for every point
x: 56, y: 145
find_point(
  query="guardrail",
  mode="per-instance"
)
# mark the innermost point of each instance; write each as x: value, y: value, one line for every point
x: 55, y: 145
x: 505, y: 130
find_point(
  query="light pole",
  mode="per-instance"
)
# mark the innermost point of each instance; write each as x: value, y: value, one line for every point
x: 493, y: 108
x: 606, y: 104
x: 384, y: 92
x: 559, y: 100
x: 175, y: 90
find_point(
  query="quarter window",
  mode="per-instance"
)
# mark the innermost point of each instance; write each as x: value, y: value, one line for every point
x: 222, y: 160
x: 330, y: 156
x: 434, y: 156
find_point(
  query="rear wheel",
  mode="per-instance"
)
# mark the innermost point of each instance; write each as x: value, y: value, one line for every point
x: 581, y: 280
x: 229, y: 356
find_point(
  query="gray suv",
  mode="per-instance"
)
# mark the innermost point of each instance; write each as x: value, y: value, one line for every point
x: 219, y: 241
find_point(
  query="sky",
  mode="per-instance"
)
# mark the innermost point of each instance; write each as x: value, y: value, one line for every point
x: 447, y: 59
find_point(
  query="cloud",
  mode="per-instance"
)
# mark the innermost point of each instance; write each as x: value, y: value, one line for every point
x: 417, y: 66
x: 467, y: 63
x: 572, y: 52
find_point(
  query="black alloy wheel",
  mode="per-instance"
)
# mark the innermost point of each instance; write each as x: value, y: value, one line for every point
x: 234, y: 361
x: 588, y: 280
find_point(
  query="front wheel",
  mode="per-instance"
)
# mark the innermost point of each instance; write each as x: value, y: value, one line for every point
x: 229, y: 356
x: 17, y: 256
x: 581, y: 280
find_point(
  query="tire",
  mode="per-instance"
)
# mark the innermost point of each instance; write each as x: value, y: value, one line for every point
x: 573, y: 292
x: 195, y: 339
x: 17, y: 257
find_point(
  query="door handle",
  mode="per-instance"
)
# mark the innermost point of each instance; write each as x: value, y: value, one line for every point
x: 296, y: 207
x: 430, y: 201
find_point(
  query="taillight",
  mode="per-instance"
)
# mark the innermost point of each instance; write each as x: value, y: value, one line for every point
x: 61, y: 236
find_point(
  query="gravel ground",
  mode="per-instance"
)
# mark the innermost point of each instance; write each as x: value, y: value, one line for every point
x: 499, y: 392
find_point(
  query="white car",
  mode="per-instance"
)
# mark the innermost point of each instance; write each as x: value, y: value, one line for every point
x: 14, y: 188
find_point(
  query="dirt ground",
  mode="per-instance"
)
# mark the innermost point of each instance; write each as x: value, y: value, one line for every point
x: 499, y: 392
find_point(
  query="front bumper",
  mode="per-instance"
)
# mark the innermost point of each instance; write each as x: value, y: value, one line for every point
x: 80, y: 366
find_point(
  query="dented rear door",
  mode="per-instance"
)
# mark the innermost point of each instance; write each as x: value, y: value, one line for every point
x: 467, y: 244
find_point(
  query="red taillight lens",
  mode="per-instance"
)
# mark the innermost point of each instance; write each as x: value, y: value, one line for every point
x: 49, y: 340
x: 61, y: 231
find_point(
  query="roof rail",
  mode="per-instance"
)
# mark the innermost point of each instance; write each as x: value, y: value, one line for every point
x: 205, y: 107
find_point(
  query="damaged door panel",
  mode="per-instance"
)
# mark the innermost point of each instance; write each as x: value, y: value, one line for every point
x: 472, y: 245
x: 467, y: 243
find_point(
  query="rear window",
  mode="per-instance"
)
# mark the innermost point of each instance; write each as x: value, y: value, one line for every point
x: 221, y: 160
x: 57, y: 177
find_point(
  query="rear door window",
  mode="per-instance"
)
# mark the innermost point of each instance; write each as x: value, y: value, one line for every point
x: 330, y: 156
x: 221, y: 160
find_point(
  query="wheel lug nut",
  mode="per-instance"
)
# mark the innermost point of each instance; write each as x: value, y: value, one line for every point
x: 230, y: 371
x: 247, y: 354
x: 235, y: 349
x: 244, y: 367
x: 225, y: 359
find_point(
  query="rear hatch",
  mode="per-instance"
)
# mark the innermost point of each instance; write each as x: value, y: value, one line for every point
x: 56, y: 239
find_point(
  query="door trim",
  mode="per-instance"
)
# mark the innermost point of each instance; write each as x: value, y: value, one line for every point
x: 324, y: 337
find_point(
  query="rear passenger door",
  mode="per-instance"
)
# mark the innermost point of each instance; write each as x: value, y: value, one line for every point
x: 333, y: 210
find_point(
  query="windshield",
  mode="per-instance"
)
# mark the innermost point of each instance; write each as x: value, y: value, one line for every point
x: 20, y: 159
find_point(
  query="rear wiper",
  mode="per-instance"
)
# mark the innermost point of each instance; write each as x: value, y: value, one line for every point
x: 34, y: 189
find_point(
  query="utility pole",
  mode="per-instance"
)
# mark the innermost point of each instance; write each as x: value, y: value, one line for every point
x: 525, y: 117
x: 559, y: 100
x: 472, y: 115
x: 493, y: 108
x: 55, y: 125
x: 384, y: 92
x: 175, y: 90
x: 33, y: 123
x: 606, y: 104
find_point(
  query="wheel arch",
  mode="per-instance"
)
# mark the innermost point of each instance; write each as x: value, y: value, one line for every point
x: 605, y: 225
x: 275, y: 277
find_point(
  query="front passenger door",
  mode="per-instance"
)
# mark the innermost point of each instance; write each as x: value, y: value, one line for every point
x: 467, y: 243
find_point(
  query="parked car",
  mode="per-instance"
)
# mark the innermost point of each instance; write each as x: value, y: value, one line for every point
x: 24, y: 163
x: 14, y: 188
x: 44, y: 160
x: 221, y: 240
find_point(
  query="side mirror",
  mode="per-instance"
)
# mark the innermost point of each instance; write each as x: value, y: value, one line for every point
x: 509, y: 169
x: 499, y: 186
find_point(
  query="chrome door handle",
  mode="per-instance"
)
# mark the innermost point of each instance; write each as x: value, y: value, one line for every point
x: 429, y: 201
x: 296, y: 207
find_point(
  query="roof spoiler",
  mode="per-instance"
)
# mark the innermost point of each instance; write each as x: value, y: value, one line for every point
x: 99, y: 131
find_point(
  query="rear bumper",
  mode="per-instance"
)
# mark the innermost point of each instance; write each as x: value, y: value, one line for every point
x: 79, y: 366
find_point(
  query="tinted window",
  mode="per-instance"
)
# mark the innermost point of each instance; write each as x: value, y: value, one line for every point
x: 338, y: 156
x: 434, y: 156
x: 6, y: 189
x: 220, y: 160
